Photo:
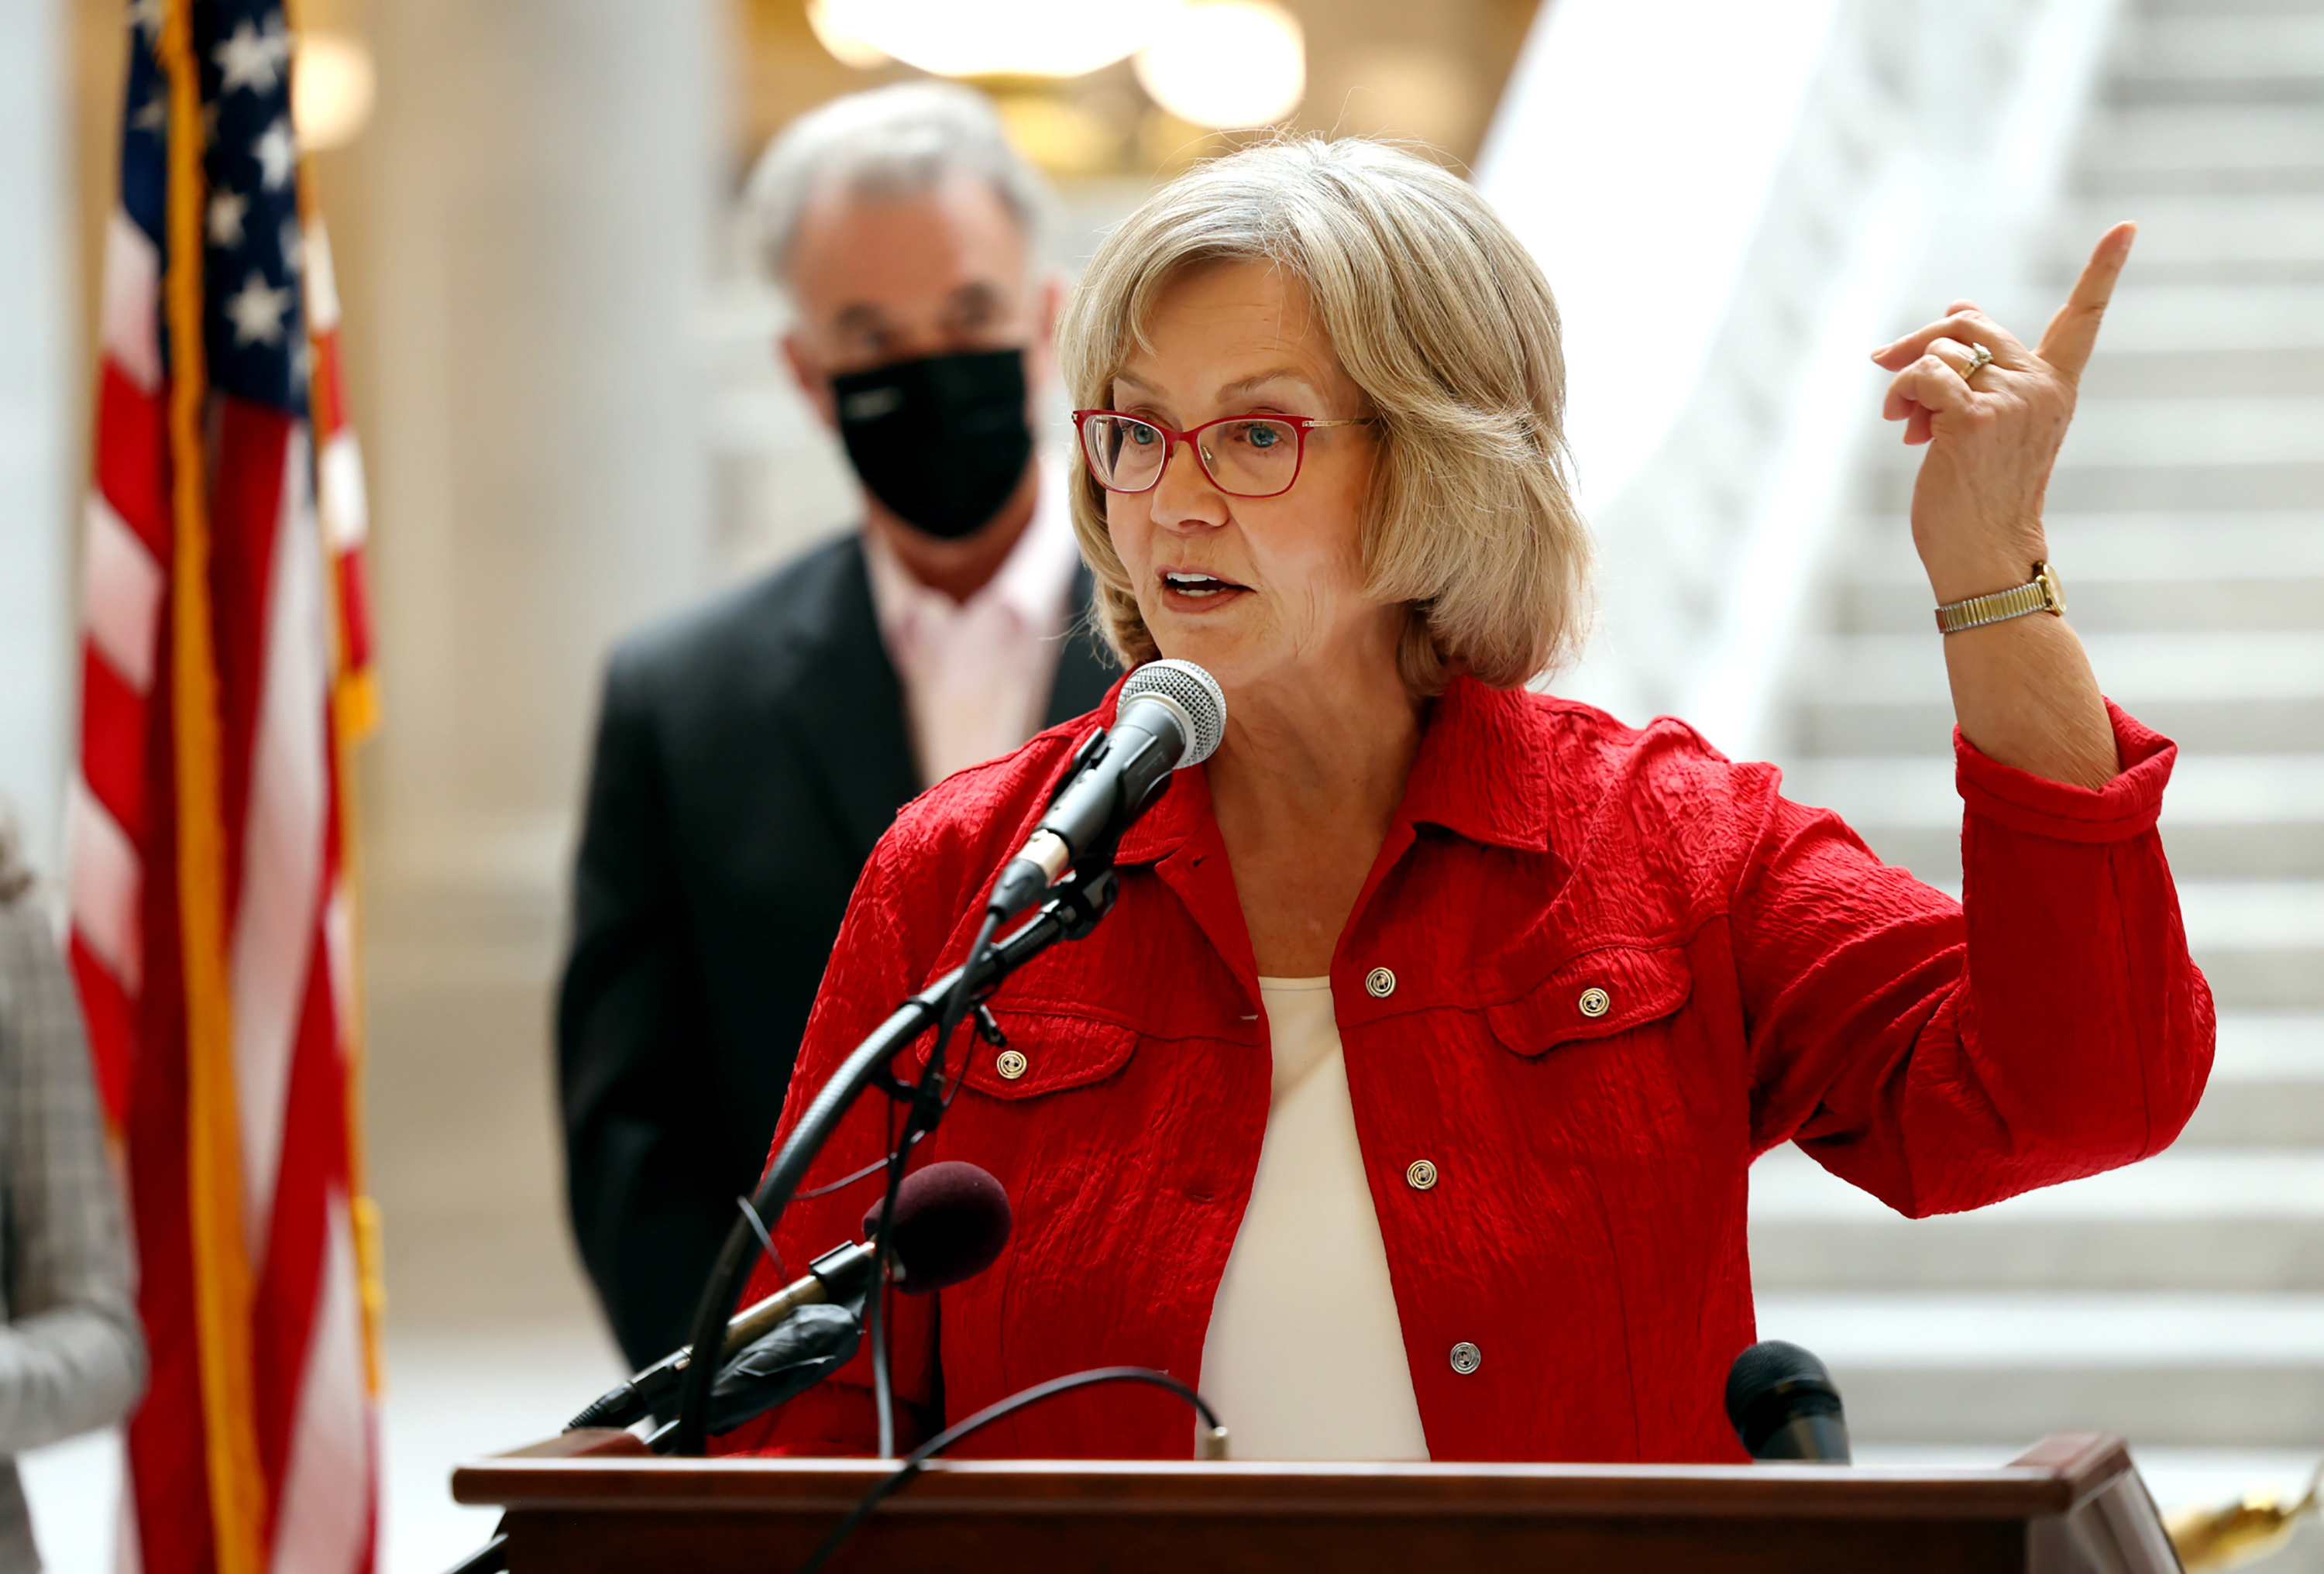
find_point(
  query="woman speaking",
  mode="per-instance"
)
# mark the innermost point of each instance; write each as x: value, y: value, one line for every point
x: 1405, y: 1102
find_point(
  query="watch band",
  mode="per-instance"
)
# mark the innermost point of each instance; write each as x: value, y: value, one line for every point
x: 2043, y: 593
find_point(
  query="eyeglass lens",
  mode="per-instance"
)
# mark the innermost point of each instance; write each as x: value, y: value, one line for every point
x: 1250, y: 457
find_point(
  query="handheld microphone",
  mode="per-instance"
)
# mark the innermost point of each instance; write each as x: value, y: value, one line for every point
x: 951, y: 1222
x: 1783, y: 1406
x: 1172, y: 714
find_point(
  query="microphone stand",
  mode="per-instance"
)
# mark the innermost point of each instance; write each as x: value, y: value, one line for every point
x: 1072, y: 910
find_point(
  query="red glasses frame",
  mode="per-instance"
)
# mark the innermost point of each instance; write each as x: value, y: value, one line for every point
x: 1300, y: 424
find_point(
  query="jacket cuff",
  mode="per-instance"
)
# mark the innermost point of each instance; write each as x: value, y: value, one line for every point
x: 2124, y: 807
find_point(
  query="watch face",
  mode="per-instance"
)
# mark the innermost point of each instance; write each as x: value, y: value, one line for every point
x: 2051, y: 588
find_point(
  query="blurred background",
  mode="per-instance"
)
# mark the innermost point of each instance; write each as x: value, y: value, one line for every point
x: 562, y: 368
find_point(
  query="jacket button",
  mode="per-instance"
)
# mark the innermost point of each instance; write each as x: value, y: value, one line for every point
x: 1379, y: 983
x: 1467, y: 1357
x: 1595, y: 1002
x: 1010, y: 1065
x: 1420, y: 1174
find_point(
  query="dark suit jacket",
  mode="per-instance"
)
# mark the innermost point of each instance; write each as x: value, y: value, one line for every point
x: 749, y: 754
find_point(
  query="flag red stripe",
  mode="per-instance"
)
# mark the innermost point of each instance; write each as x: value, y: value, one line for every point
x: 132, y: 457
x: 113, y: 742
x: 112, y: 1020
x: 167, y: 1450
x: 246, y: 508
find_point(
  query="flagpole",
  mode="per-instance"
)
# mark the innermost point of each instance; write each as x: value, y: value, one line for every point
x: 222, y: 1276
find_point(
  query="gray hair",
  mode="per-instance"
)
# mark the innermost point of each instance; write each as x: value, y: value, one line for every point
x: 889, y: 142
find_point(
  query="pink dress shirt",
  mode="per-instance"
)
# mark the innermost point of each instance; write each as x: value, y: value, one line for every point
x: 976, y: 674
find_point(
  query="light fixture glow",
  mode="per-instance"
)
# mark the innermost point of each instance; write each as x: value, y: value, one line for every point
x: 845, y: 47
x: 997, y: 38
x: 332, y: 88
x: 1227, y: 63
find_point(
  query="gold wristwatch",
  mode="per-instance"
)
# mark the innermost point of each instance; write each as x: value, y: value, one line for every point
x: 2043, y: 594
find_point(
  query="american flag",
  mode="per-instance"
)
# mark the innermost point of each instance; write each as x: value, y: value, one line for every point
x: 224, y: 672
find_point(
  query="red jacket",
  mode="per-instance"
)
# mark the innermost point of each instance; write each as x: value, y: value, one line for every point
x: 1765, y: 979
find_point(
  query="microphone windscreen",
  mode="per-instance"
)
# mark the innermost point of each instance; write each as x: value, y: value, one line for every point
x: 1194, y: 692
x: 1773, y: 1385
x: 952, y: 1220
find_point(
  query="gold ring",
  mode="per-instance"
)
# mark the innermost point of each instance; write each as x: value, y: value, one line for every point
x: 1979, y: 358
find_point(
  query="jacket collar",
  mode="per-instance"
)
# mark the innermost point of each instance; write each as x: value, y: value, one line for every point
x: 1483, y: 772
x: 1484, y: 769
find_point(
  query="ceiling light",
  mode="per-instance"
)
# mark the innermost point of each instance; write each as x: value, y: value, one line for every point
x: 1227, y: 63
x: 332, y: 86
x: 845, y: 47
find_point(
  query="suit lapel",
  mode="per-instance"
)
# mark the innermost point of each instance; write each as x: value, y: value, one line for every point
x: 850, y: 708
x: 1085, y: 668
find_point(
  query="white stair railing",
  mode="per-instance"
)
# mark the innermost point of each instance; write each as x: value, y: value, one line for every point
x: 1734, y: 203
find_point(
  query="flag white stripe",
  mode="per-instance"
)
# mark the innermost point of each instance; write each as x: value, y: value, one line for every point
x: 279, y: 918
x: 107, y: 882
x: 121, y: 590
x: 128, y: 1551
x: 327, y: 1488
x: 131, y: 328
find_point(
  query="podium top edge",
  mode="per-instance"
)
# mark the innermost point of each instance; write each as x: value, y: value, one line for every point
x: 609, y: 1472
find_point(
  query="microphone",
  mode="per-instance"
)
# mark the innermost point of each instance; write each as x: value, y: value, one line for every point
x: 1783, y: 1406
x: 1171, y: 715
x: 951, y: 1222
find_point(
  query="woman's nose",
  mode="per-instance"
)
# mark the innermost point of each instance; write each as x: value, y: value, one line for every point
x: 1186, y: 498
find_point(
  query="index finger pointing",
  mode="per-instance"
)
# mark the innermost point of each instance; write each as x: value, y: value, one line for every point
x: 2073, y: 333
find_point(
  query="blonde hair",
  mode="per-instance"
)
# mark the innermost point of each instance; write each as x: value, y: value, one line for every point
x: 1440, y: 316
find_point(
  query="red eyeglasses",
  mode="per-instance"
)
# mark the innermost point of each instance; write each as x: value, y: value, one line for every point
x: 1245, y: 455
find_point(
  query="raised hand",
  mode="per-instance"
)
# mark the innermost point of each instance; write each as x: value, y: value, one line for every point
x: 1993, y: 414
x: 1993, y: 427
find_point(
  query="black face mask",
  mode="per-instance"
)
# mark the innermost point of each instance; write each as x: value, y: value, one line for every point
x: 942, y: 442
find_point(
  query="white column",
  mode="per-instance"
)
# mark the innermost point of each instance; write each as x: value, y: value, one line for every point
x: 38, y: 405
x: 543, y: 174
x: 527, y: 235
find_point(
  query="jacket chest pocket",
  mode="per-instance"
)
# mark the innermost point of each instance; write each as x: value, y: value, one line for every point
x: 1046, y: 1053
x: 1595, y: 995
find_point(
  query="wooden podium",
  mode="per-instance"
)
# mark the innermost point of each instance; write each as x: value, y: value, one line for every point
x: 595, y: 1500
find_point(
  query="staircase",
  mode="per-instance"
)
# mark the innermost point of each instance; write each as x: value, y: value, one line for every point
x: 2180, y: 1301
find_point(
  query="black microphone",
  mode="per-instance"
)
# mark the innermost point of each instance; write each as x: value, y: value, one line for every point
x: 1171, y: 715
x: 951, y: 1222
x: 1783, y: 1406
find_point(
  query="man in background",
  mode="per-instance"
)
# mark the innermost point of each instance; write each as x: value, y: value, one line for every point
x: 751, y: 752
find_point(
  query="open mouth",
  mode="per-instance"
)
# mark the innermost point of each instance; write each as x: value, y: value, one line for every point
x: 1200, y: 586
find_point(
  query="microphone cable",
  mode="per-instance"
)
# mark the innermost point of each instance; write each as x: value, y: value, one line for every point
x: 985, y: 1417
x: 929, y: 1101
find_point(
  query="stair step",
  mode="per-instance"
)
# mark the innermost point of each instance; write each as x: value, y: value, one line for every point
x: 2137, y: 668
x: 2150, y: 315
x: 2204, y: 148
x: 2100, y: 605
x: 2123, y: 488
x: 2217, y: 8
x: 2200, y: 372
x: 2224, y: 817
x: 2221, y: 55
x: 2183, y: 1369
x: 2213, y: 237
x: 2126, y: 548
x: 1822, y: 724
x: 2263, y: 793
